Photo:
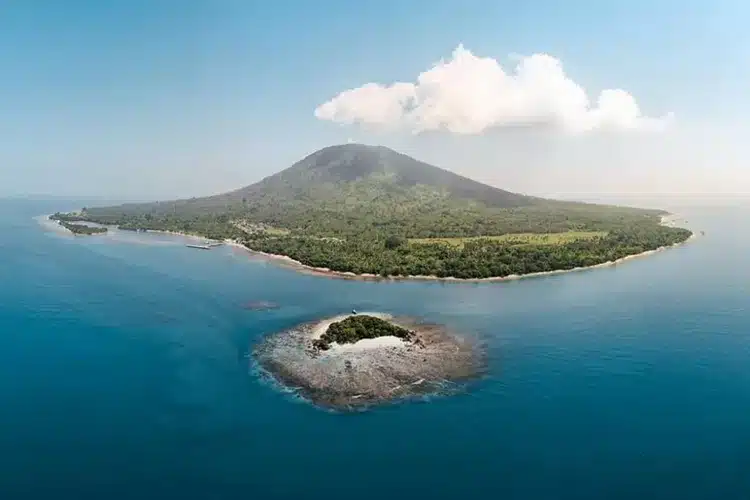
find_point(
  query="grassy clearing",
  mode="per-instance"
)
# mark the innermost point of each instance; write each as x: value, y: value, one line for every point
x: 276, y: 231
x: 254, y: 228
x: 517, y: 239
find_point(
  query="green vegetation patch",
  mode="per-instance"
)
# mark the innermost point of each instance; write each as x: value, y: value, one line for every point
x: 516, y: 239
x: 82, y: 229
x: 250, y: 227
x: 359, y: 327
x: 276, y: 231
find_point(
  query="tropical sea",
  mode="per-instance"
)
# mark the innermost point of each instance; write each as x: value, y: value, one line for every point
x: 125, y: 373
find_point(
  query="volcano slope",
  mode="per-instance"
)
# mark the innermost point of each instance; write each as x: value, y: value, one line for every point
x: 370, y: 210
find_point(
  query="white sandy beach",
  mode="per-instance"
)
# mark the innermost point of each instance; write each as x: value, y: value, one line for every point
x: 360, y: 345
x: 321, y: 327
x: 366, y: 345
x: 51, y: 225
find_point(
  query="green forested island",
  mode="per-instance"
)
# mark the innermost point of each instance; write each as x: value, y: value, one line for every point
x: 359, y: 327
x: 368, y: 209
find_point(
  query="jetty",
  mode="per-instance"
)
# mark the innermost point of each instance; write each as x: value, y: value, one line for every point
x: 204, y: 246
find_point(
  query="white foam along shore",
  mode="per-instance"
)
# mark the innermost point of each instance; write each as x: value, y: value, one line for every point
x: 52, y: 225
x: 667, y: 220
x: 369, y: 371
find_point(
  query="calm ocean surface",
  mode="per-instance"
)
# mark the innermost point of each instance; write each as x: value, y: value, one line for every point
x: 124, y: 375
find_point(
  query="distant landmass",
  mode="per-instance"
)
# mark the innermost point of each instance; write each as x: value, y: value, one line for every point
x: 370, y: 210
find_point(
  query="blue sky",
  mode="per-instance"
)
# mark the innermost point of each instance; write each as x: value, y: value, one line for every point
x: 148, y: 99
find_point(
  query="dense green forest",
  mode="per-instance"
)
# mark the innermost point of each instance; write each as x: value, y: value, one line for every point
x: 358, y: 327
x: 482, y: 258
x: 366, y: 209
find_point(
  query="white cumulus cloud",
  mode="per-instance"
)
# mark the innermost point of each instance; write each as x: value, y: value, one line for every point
x: 469, y: 95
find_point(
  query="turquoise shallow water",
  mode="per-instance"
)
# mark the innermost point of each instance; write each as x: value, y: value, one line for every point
x: 124, y: 374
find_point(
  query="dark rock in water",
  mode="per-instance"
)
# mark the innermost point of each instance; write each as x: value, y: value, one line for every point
x: 371, y: 371
x: 260, y: 305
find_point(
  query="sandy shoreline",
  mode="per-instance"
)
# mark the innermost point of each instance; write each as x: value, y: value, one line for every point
x: 52, y: 225
x: 285, y: 261
x: 46, y: 222
x: 288, y: 262
x: 360, y: 345
x: 322, y: 326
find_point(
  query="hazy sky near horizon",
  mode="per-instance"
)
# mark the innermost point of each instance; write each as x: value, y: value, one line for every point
x: 158, y: 99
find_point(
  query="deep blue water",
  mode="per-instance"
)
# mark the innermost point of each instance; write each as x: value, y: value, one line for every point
x: 124, y: 374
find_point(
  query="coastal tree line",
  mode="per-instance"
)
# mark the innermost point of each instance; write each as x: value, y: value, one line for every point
x: 481, y: 258
x: 384, y: 249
